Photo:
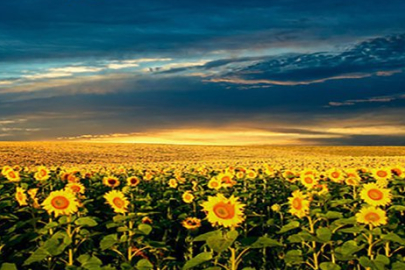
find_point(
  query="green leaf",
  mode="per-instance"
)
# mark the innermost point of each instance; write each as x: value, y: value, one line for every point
x: 145, y: 228
x: 205, y: 236
x: 264, y: 242
x: 91, y: 263
x: 108, y: 241
x: 38, y: 255
x: 382, y: 259
x: 347, y: 250
x: 86, y: 222
x: 333, y: 215
x: 57, y: 244
x: 329, y: 266
x: 290, y: 226
x: 8, y: 266
x: 324, y: 234
x: 144, y: 264
x: 220, y: 244
x: 355, y: 229
x: 301, y: 237
x: 398, y: 266
x: 197, y: 260
x: 293, y: 257
x: 397, y: 208
x: 393, y: 238
x: 340, y: 202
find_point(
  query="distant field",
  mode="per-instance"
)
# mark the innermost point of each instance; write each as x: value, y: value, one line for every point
x: 60, y: 153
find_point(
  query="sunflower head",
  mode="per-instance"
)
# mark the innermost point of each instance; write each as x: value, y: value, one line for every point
x: 173, y: 183
x: 224, y: 212
x: 299, y: 204
x: 111, y: 181
x: 382, y: 173
x: 191, y: 223
x: 20, y: 196
x: 308, y: 180
x: 215, y: 183
x: 372, y: 215
x: 133, y: 181
x: 188, y: 197
x: 375, y: 195
x: 335, y: 175
x: 12, y: 175
x: 42, y: 174
x: 117, y: 200
x: 77, y: 188
x: 61, y: 202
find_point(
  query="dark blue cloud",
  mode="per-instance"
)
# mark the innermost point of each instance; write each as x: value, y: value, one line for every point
x: 282, y: 41
x: 58, y: 29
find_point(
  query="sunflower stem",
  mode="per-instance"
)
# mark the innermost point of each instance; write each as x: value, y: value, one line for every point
x: 370, y: 244
x: 312, y: 231
x: 69, y: 233
x: 130, y: 234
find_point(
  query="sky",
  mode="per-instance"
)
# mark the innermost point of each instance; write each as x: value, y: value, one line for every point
x: 286, y: 72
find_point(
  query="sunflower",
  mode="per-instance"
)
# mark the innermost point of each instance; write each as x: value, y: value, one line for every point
x: 215, y: 183
x: 12, y: 175
x: 61, y: 202
x: 372, y: 215
x: 111, y: 181
x: 308, y: 180
x: 117, y: 201
x: 188, y: 197
x: 398, y: 170
x: 173, y: 183
x: 335, y: 175
x: 224, y: 212
x: 20, y: 196
x: 75, y: 187
x: 42, y: 174
x: 374, y: 195
x: 5, y: 169
x: 299, y: 204
x: 33, y: 195
x: 240, y: 174
x: 381, y: 174
x: 226, y: 179
x: 289, y: 175
x: 148, y: 176
x: 133, y: 181
x: 191, y: 223
x: 251, y: 174
x: 352, y: 181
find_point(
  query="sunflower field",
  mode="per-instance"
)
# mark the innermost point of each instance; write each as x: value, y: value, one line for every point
x: 209, y: 216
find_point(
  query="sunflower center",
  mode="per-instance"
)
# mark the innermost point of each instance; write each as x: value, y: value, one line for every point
x: 375, y: 194
x: 224, y: 210
x: 118, y: 202
x: 382, y: 173
x: 397, y: 171
x: 11, y: 174
x: 42, y: 173
x: 134, y: 181
x: 75, y: 189
x: 308, y: 180
x: 226, y: 179
x: 335, y: 174
x: 20, y: 196
x: 60, y: 202
x: 373, y: 217
x: 111, y: 181
x: 297, y: 203
x: 214, y: 184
